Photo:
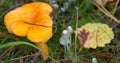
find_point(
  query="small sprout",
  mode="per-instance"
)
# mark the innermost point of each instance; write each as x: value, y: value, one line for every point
x: 94, y: 35
x: 65, y: 39
x: 32, y: 20
x: 66, y: 5
x: 54, y: 4
x: 94, y: 60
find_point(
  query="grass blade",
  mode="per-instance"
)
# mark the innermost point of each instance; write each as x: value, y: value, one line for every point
x: 17, y: 43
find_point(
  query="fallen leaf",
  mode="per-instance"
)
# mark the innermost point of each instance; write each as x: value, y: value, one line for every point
x: 94, y: 35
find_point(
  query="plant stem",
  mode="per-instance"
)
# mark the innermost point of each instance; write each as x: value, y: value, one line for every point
x: 76, y: 35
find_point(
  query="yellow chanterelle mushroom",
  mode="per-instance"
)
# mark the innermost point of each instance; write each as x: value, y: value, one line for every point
x: 33, y: 21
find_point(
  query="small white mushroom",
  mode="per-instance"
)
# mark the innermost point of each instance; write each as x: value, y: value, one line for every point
x: 94, y: 60
x: 70, y: 29
x: 65, y: 39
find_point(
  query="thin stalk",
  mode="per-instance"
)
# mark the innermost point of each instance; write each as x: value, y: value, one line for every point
x: 76, y: 34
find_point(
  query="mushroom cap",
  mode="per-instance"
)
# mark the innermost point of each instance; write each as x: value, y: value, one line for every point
x: 32, y: 20
x: 94, y: 35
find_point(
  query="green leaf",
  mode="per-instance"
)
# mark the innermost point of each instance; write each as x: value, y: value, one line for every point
x: 17, y: 43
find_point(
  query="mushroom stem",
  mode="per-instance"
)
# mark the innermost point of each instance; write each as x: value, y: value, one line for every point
x: 44, y: 51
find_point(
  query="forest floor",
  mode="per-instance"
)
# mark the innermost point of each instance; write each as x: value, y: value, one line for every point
x: 66, y: 13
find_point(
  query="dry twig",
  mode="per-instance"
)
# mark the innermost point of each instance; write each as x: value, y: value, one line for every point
x: 115, y: 7
x: 105, y: 11
x: 5, y: 51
